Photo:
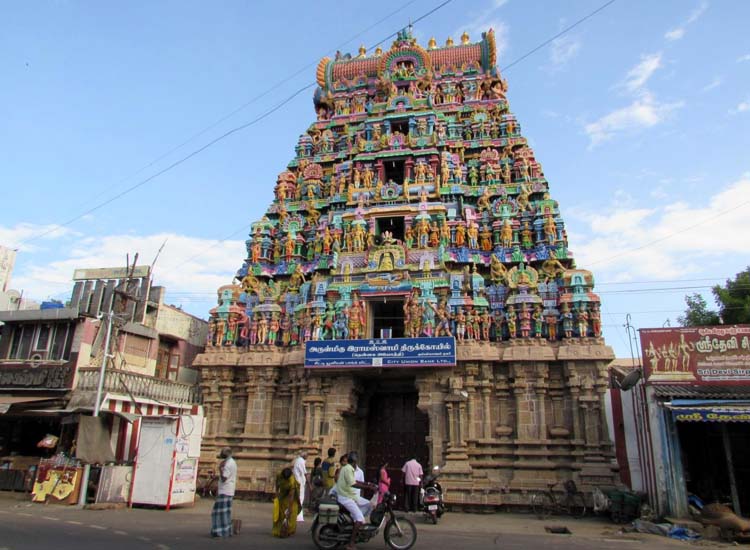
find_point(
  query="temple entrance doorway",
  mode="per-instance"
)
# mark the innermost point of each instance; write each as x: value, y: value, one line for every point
x: 387, y: 318
x: 396, y: 430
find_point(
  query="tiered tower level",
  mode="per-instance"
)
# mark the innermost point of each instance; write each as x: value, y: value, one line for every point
x: 415, y: 208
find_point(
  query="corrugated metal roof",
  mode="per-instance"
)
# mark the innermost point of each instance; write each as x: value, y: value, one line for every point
x: 701, y: 392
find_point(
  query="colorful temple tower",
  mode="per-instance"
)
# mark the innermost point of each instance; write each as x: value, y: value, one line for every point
x: 413, y: 211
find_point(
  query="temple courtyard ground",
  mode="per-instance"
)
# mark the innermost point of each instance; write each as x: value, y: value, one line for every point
x: 28, y: 526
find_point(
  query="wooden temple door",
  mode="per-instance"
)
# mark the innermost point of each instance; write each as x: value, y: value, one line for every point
x: 396, y: 432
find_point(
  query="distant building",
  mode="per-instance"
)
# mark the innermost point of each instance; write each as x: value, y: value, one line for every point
x: 50, y: 360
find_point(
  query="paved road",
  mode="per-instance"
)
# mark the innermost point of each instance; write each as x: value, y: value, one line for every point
x: 26, y: 526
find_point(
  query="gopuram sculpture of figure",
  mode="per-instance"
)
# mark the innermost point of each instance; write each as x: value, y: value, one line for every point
x: 356, y: 317
x: 550, y: 229
x: 582, y: 317
x: 473, y: 234
x: 460, y: 324
x: 460, y: 235
x: 498, y: 272
x: 483, y: 202
x: 297, y: 278
x: 506, y: 234
x: 524, y: 317
x: 538, y: 319
x: 567, y: 320
x: 443, y: 327
x: 596, y: 321
x: 510, y: 321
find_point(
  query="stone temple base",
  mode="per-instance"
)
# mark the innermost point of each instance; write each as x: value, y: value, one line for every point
x: 507, y: 420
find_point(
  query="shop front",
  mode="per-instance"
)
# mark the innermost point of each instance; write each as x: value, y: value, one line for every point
x: 698, y: 388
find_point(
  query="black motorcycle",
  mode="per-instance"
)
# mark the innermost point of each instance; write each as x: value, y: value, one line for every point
x: 332, y: 526
x: 432, y: 496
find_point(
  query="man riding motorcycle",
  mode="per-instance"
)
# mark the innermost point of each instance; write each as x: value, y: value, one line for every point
x: 357, y: 506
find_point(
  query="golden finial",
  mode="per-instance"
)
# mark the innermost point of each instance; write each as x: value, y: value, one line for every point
x: 465, y: 38
x: 362, y: 51
x: 378, y: 51
x: 432, y: 44
x: 449, y: 42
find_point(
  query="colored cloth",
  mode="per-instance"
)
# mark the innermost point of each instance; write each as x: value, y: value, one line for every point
x: 384, y: 483
x: 344, y: 486
x: 227, y: 477
x: 221, y: 516
x: 286, y: 506
x: 300, y: 474
x: 329, y: 473
x: 412, y: 472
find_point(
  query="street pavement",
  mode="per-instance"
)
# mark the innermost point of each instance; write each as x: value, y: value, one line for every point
x: 28, y: 526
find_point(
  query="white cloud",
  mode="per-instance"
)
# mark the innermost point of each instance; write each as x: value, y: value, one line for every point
x: 678, y: 32
x: 26, y: 236
x: 191, y: 269
x: 665, y: 242
x: 674, y: 34
x: 637, y: 77
x: 743, y: 58
x: 485, y: 21
x: 563, y: 50
x: 715, y: 83
x: 643, y: 112
x: 742, y: 107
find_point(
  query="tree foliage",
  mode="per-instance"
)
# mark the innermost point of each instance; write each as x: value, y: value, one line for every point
x: 732, y: 299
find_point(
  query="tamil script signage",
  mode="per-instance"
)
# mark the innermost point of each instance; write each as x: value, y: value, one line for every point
x: 697, y: 355
x: 383, y: 353
x: 711, y: 415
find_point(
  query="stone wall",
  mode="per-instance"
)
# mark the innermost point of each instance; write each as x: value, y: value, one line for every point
x: 507, y: 420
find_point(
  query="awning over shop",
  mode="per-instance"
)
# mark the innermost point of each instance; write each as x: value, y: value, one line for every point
x: 7, y: 401
x: 692, y: 410
x: 128, y: 417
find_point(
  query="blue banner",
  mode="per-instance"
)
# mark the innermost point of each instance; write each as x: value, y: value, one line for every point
x: 714, y: 414
x: 389, y: 353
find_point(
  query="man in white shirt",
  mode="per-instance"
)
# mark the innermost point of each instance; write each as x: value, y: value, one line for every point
x: 359, y: 477
x: 221, y: 515
x: 299, y: 469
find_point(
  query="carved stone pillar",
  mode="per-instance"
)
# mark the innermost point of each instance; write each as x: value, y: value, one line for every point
x: 486, y: 414
x: 266, y: 395
x: 250, y: 387
x: 462, y: 415
x: 318, y: 417
x: 308, y: 422
x: 451, y: 425
x: 541, y: 406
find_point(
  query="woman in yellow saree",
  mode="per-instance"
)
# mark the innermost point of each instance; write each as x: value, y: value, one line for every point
x: 285, y: 505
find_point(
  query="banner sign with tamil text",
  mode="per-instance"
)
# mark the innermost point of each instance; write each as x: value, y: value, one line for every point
x: 711, y: 415
x: 717, y: 355
x: 385, y: 353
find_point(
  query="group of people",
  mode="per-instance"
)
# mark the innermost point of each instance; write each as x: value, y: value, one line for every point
x: 342, y: 479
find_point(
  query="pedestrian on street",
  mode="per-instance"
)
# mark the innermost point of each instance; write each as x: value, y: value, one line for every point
x: 343, y: 461
x: 300, y: 474
x: 329, y: 470
x: 221, y: 514
x: 317, y: 490
x: 359, y: 475
x: 285, y: 505
x: 384, y: 481
x: 412, y: 477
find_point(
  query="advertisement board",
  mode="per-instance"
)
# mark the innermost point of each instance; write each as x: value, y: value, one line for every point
x: 697, y: 355
x: 381, y: 353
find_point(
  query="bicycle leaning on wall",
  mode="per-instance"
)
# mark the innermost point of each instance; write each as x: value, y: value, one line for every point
x: 570, y: 502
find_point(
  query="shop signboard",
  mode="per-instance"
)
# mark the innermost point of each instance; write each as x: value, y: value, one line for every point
x: 381, y: 353
x: 716, y: 355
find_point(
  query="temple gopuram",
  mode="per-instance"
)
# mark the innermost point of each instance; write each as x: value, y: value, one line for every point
x: 410, y: 293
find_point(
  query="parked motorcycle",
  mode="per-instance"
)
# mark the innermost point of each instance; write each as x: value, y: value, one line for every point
x: 332, y: 526
x: 431, y: 495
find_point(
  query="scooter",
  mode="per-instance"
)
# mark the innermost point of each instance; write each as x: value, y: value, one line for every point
x: 332, y: 526
x: 432, y: 496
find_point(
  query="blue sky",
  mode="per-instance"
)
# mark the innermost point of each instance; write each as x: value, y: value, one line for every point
x: 640, y: 117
